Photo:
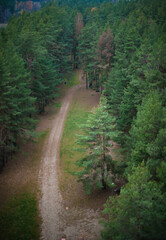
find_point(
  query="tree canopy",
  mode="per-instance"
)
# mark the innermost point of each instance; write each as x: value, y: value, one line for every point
x: 35, y: 55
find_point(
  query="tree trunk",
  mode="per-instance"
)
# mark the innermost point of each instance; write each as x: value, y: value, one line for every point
x: 86, y: 81
x: 103, y: 163
x: 2, y: 160
x: 103, y: 182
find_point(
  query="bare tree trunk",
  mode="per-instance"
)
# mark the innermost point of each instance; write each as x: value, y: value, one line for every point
x: 86, y: 81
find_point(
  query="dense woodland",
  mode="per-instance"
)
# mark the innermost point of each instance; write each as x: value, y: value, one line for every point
x: 121, y: 47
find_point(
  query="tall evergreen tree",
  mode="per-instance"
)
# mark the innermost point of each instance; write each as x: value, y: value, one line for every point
x: 87, y: 51
x: 15, y: 101
x: 147, y: 133
x: 98, y: 166
x: 139, y: 211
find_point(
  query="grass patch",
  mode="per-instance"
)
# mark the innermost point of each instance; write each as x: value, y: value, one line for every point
x: 19, y: 216
x: 42, y: 135
x: 19, y: 221
x: 35, y: 156
x: 78, y: 114
x: 72, y: 79
x: 57, y: 105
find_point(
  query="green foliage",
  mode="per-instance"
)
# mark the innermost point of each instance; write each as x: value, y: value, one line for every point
x: 147, y: 135
x: 72, y: 79
x: 122, y: 50
x: 139, y: 211
x: 16, y: 104
x: 134, y: 85
x: 97, y: 166
x: 138, y: 61
x: 44, y: 40
x: 35, y: 55
x: 87, y: 44
x: 19, y: 220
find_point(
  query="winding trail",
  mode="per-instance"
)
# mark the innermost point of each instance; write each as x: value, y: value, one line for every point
x: 57, y: 221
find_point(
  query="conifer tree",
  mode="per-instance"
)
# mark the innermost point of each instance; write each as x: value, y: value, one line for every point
x: 16, y: 104
x: 98, y: 166
x: 87, y: 51
x: 147, y: 139
x: 139, y: 212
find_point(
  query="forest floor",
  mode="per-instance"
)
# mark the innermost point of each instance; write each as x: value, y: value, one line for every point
x: 65, y: 211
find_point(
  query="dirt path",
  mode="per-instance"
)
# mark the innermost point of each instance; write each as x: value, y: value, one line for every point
x: 51, y: 201
x: 59, y: 222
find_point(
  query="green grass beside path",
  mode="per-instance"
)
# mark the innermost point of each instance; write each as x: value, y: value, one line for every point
x: 72, y: 191
x: 18, y: 221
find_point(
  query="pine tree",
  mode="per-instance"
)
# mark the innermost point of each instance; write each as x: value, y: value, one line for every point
x: 79, y: 24
x: 16, y: 104
x: 87, y: 51
x: 98, y: 166
x: 147, y: 139
x: 105, y: 52
x: 139, y: 212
